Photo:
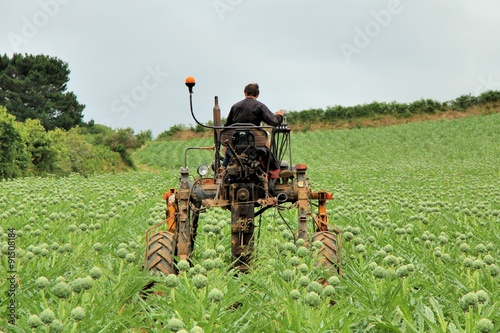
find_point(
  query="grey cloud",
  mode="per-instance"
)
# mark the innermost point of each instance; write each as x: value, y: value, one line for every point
x: 424, y: 49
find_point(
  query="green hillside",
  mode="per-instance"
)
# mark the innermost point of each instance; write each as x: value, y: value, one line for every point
x: 456, y: 146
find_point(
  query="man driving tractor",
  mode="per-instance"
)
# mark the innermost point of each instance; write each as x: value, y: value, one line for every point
x: 251, y: 111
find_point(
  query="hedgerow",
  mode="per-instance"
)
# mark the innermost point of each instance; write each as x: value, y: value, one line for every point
x: 400, y: 110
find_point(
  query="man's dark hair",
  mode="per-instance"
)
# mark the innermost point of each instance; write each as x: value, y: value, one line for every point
x: 252, y: 89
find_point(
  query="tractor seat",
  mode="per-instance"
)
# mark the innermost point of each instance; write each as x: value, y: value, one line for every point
x: 260, y: 135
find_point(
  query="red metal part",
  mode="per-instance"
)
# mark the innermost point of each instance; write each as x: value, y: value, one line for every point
x: 301, y: 167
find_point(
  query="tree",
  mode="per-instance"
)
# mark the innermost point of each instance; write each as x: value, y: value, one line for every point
x: 14, y: 157
x: 144, y: 136
x: 83, y: 156
x: 40, y: 146
x: 34, y: 87
x: 62, y: 164
x: 121, y: 142
x: 76, y: 153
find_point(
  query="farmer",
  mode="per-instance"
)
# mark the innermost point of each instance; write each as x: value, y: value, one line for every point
x: 251, y: 111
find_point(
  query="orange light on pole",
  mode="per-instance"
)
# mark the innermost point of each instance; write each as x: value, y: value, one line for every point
x: 190, y: 82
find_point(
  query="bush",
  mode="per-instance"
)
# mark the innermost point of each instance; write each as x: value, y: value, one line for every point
x: 144, y: 136
x: 489, y: 97
x: 374, y: 109
x: 463, y: 102
x: 167, y: 135
x: 28, y: 149
x: 40, y: 146
x: 85, y: 158
x: 121, y: 142
x: 14, y: 157
x: 95, y: 133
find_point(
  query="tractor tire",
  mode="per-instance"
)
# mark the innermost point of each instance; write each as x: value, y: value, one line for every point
x: 328, y: 254
x: 161, y: 250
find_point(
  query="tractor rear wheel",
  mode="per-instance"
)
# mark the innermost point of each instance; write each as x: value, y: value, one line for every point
x: 329, y: 253
x: 161, y: 250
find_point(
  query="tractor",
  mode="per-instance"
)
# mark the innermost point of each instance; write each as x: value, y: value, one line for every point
x: 259, y: 176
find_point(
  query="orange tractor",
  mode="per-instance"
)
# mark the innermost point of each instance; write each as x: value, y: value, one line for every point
x: 247, y: 187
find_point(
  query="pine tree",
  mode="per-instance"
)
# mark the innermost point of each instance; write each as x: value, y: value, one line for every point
x: 34, y: 87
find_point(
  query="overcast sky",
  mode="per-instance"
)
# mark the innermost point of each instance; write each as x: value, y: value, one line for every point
x: 128, y: 59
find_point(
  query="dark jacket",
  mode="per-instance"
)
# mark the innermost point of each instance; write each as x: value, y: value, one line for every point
x: 251, y: 111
